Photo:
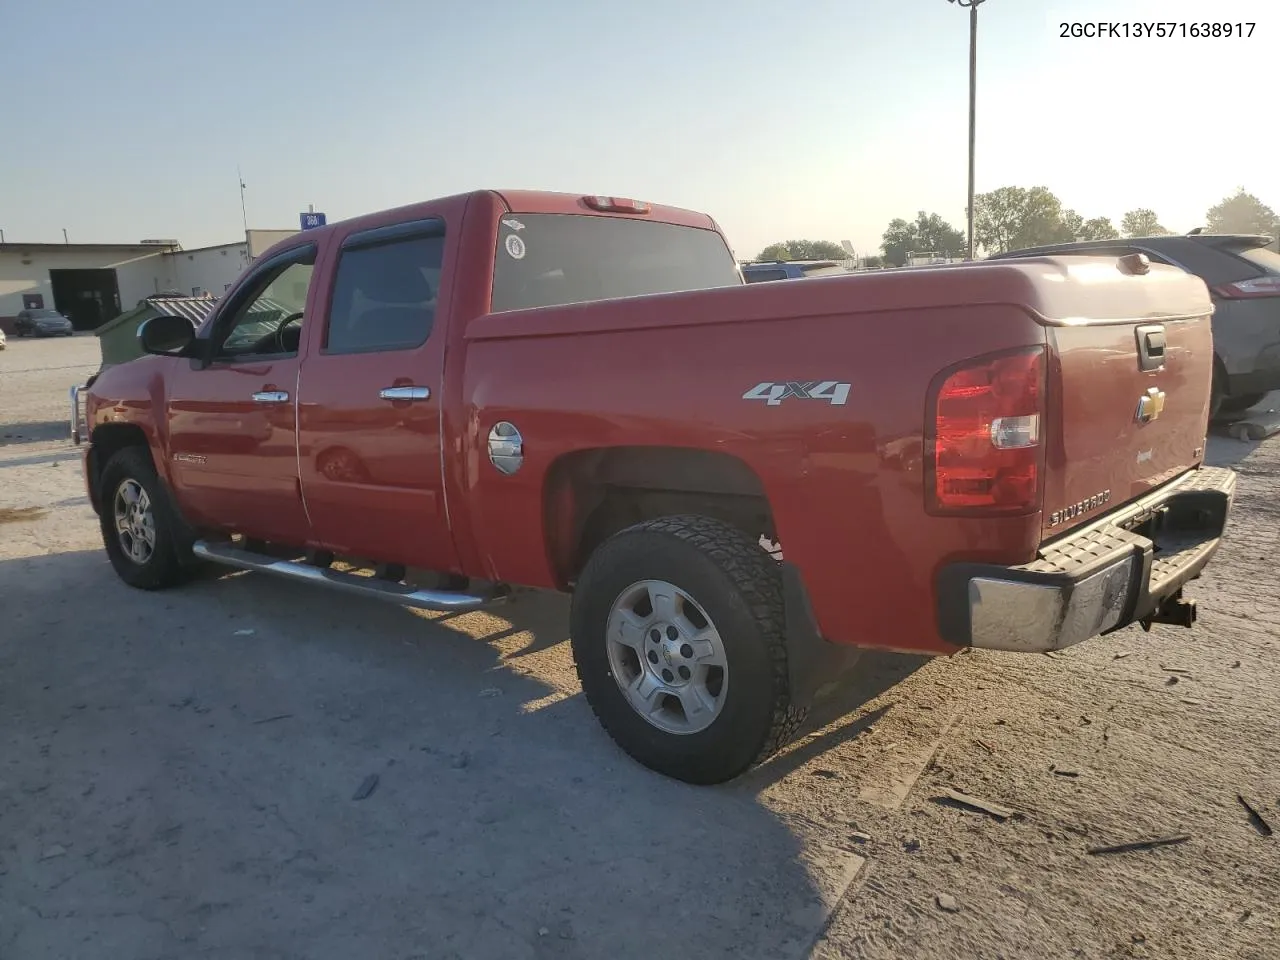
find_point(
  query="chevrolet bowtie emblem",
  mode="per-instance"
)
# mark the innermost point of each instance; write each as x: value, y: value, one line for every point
x: 1151, y: 405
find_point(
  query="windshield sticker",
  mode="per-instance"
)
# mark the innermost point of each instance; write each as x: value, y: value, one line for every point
x: 513, y: 224
x: 515, y: 247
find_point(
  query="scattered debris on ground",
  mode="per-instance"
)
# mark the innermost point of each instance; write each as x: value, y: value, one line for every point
x: 1255, y: 816
x: 955, y: 797
x: 1140, y: 844
x: 367, y: 786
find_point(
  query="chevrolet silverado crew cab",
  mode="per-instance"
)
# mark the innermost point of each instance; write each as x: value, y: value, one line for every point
x: 737, y: 483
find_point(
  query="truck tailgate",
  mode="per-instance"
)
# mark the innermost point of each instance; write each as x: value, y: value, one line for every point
x: 1133, y: 394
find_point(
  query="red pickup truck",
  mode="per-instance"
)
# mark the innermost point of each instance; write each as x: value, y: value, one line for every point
x: 736, y: 483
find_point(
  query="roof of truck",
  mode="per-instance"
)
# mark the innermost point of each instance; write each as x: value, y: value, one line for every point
x: 516, y: 201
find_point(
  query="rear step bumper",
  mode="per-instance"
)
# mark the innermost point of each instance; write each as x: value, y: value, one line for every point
x: 1128, y: 566
x: 409, y: 596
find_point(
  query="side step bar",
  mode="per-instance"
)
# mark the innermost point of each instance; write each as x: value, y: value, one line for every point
x: 447, y: 601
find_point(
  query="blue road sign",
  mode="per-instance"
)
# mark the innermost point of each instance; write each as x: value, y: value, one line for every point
x: 311, y: 220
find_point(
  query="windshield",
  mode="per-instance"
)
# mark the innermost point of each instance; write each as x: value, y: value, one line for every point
x: 547, y: 259
x: 44, y: 314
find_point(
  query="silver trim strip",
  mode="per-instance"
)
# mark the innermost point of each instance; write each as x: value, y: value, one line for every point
x: 297, y: 440
x: 447, y: 601
x: 271, y: 396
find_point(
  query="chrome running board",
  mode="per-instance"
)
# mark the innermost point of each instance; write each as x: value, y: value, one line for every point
x: 449, y: 601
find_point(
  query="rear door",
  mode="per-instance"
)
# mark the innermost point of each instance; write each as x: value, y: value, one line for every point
x: 369, y: 401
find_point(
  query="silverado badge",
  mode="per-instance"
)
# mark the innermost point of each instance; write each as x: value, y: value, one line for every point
x: 1087, y: 505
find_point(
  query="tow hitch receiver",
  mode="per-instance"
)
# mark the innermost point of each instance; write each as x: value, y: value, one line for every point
x: 1174, y: 610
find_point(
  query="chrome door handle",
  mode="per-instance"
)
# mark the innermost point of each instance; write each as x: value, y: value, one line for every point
x: 405, y: 393
x: 271, y: 396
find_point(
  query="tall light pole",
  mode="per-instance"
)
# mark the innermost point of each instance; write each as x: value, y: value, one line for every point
x: 973, y: 98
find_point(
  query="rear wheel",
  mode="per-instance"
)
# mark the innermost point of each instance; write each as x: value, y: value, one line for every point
x: 678, y: 637
x: 140, y: 529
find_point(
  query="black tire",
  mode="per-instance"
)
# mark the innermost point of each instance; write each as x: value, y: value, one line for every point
x: 169, y: 561
x: 739, y: 587
x: 1241, y: 403
x: 1217, y: 390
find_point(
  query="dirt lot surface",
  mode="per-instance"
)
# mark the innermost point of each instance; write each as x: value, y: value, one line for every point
x: 178, y: 772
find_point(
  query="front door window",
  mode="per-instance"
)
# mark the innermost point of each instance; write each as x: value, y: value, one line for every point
x: 269, y: 322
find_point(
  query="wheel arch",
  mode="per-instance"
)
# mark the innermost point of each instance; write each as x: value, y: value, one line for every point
x: 591, y: 494
x: 104, y: 442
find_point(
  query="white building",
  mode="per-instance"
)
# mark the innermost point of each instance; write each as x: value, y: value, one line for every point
x: 94, y: 282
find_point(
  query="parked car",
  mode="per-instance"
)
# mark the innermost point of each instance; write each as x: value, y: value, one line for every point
x: 1243, y: 277
x: 578, y: 394
x: 765, y: 270
x: 42, y: 323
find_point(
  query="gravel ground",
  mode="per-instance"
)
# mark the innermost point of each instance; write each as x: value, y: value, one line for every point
x: 178, y: 772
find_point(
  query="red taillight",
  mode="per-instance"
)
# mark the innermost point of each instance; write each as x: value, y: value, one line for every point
x: 987, y: 449
x: 616, y: 205
x: 1249, y: 289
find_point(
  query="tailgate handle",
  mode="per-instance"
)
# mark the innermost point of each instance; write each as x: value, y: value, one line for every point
x: 1151, y: 344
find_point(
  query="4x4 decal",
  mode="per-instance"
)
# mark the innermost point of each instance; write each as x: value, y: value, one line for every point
x: 774, y: 393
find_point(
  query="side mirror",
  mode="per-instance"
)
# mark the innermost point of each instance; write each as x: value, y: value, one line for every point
x: 166, y: 335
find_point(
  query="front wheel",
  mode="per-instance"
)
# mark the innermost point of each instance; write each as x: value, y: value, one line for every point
x: 678, y: 637
x: 140, y: 529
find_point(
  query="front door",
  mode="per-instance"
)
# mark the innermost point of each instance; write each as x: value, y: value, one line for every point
x: 369, y: 402
x: 232, y: 422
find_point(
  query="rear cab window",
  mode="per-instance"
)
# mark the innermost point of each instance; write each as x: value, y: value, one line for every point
x: 555, y: 259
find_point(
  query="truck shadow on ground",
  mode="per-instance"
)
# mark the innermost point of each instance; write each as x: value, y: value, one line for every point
x: 185, y: 766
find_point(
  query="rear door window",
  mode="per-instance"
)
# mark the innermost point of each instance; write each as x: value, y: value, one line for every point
x: 546, y: 259
x: 385, y: 289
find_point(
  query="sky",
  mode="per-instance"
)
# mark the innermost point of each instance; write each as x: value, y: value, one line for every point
x: 126, y: 119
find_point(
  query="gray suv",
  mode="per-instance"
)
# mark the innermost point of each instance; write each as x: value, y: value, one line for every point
x: 42, y: 323
x: 1243, y: 277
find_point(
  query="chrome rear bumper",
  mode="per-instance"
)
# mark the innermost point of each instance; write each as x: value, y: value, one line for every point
x: 1128, y: 566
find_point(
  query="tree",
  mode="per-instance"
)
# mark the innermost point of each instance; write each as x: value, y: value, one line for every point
x: 1073, y: 225
x: 1011, y: 218
x: 1241, y: 213
x: 803, y: 250
x: 1099, y: 228
x: 928, y: 233
x: 1142, y: 222
x: 898, y: 240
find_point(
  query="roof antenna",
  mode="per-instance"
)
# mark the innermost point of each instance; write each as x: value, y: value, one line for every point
x: 244, y: 217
